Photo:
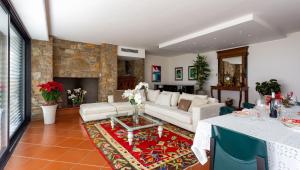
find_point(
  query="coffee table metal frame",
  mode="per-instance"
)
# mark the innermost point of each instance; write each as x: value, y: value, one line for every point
x: 115, y: 119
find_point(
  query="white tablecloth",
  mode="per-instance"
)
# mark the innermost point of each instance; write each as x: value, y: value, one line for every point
x: 283, y: 143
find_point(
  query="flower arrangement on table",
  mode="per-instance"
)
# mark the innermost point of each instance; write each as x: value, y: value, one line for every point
x: 289, y: 100
x: 76, y: 96
x: 51, y: 91
x: 135, y: 96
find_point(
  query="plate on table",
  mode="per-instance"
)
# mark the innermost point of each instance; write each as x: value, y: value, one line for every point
x: 292, y: 123
x: 241, y: 113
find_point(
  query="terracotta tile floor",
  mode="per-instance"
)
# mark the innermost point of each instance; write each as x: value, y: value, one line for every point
x: 62, y: 146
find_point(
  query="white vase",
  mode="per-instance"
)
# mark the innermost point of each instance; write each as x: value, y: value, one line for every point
x: 49, y: 113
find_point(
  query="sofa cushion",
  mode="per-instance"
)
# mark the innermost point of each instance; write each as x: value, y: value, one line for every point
x: 184, y: 104
x: 152, y: 95
x: 197, y: 102
x: 174, y: 98
x: 143, y: 95
x: 96, y: 108
x: 212, y: 100
x: 122, y: 106
x: 118, y: 96
x: 191, y: 96
x: 171, y: 112
x: 164, y: 99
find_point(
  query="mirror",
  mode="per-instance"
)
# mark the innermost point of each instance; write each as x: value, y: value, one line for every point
x: 232, y: 66
x: 232, y: 69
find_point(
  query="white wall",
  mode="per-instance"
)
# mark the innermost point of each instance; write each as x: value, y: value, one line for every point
x: 279, y: 59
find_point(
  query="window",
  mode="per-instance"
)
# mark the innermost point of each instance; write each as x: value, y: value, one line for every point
x: 16, y: 80
x: 3, y: 79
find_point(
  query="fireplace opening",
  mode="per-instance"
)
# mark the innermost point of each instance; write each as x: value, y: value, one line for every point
x: 88, y: 84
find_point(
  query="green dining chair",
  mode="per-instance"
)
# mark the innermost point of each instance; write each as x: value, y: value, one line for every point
x: 225, y: 110
x: 247, y: 105
x: 235, y: 151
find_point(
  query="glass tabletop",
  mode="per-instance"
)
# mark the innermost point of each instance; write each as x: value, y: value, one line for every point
x: 130, y: 124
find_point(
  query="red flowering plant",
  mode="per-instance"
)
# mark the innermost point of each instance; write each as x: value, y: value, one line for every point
x: 51, y: 92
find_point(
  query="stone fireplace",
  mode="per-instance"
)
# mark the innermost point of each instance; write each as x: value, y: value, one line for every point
x: 57, y: 59
x: 88, y: 84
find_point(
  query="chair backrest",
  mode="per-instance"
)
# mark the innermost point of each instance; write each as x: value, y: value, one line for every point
x: 248, y: 105
x: 226, y: 110
x: 235, y: 151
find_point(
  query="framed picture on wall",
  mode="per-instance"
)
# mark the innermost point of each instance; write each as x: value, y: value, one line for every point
x: 192, y: 73
x: 156, y: 73
x: 178, y: 73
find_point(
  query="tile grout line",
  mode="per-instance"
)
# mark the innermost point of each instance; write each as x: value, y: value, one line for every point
x: 59, y: 161
x: 57, y: 146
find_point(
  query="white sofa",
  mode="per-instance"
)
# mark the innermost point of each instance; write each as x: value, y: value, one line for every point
x: 98, y: 111
x: 183, y: 119
x: 171, y: 114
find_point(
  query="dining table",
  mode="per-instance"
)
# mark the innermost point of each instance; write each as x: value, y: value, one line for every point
x: 283, y: 142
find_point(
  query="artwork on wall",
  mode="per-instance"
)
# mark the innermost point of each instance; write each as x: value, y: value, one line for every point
x: 192, y: 73
x: 156, y: 73
x: 178, y: 73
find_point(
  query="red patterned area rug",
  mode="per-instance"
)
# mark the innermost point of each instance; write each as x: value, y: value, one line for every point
x: 148, y: 151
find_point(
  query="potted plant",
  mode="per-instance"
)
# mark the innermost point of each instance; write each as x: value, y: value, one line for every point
x: 76, y: 96
x: 51, y: 92
x: 203, y: 72
x: 266, y: 88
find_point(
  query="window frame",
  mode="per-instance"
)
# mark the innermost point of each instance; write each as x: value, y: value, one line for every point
x: 17, y: 23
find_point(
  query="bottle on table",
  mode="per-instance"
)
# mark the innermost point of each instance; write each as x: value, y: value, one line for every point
x: 273, y: 111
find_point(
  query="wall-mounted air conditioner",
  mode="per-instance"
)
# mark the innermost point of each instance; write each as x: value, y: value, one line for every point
x: 131, y: 53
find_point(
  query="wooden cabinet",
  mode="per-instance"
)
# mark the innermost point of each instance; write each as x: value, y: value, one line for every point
x: 175, y: 88
x: 126, y: 82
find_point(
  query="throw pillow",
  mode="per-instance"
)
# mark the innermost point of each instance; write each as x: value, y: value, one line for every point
x: 164, y: 99
x: 191, y: 96
x: 184, y: 104
x: 197, y: 102
x: 174, y: 98
x: 152, y: 95
x: 118, y: 96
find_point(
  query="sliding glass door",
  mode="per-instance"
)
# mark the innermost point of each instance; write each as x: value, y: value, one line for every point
x: 16, y: 80
x: 4, y: 21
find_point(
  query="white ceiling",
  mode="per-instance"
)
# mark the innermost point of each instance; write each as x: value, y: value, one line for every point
x: 34, y: 16
x: 146, y: 24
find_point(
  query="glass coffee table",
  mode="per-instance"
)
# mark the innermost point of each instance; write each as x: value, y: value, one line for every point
x: 142, y: 121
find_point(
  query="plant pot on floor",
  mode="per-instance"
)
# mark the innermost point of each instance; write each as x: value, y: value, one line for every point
x: 49, y: 113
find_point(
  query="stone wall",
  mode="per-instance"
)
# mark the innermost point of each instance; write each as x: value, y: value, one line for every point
x: 108, y: 70
x: 41, y: 71
x: 136, y: 69
x: 75, y: 59
x: 61, y: 58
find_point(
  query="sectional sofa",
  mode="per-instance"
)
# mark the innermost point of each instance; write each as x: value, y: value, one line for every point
x: 162, y: 105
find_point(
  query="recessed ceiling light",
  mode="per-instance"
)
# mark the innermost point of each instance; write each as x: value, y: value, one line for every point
x: 215, y: 38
